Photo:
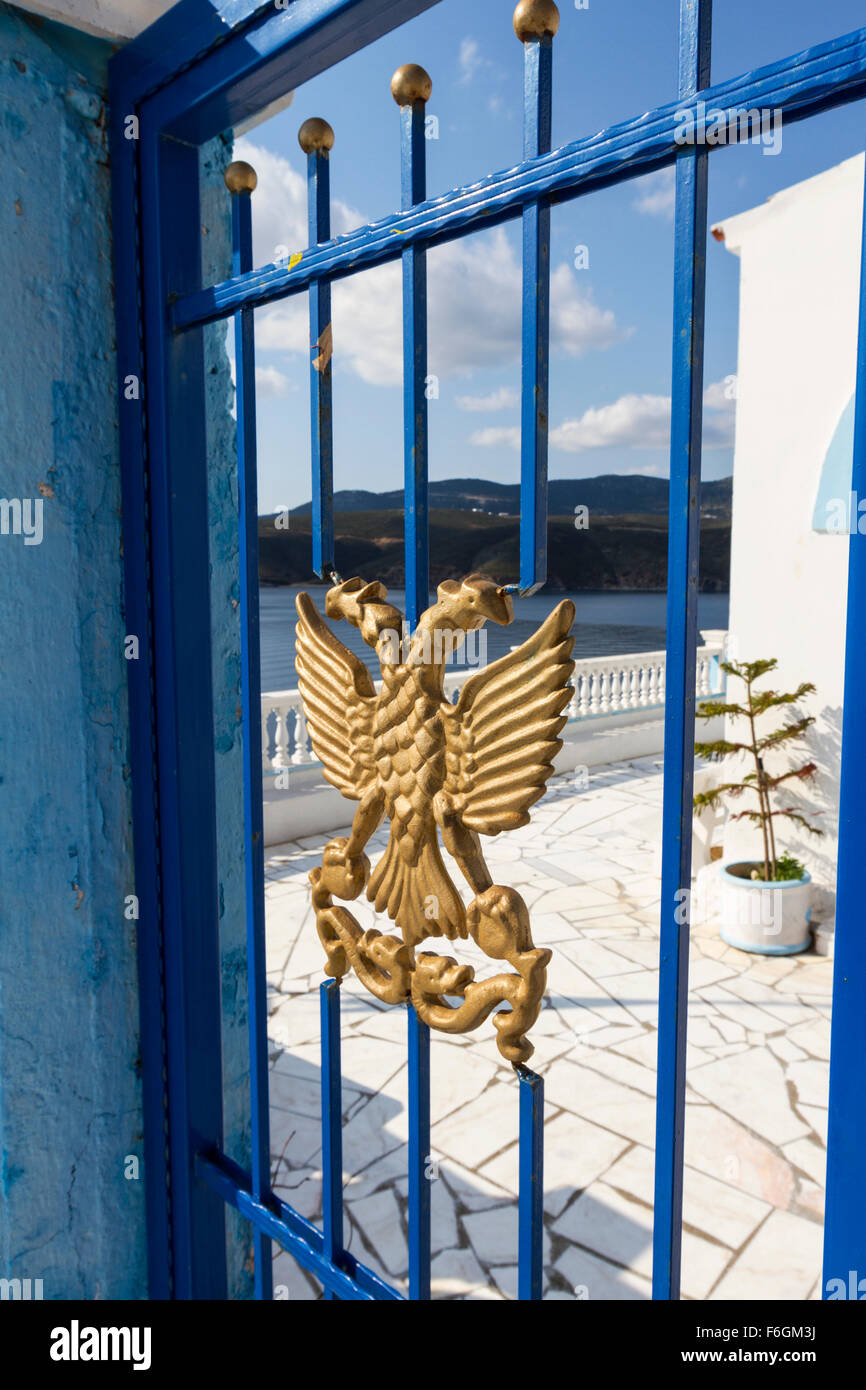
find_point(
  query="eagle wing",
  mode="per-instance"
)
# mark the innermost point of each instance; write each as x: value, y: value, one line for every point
x: 339, y: 701
x: 501, y: 736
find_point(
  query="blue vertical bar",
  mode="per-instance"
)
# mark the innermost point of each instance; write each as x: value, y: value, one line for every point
x: 134, y: 466
x: 251, y: 725
x: 419, y: 1156
x: 408, y: 87
x: 321, y: 415
x: 845, y: 1217
x: 530, y: 1266
x: 183, y: 697
x: 538, y: 70
x: 416, y: 524
x: 679, y: 761
x: 332, y: 1125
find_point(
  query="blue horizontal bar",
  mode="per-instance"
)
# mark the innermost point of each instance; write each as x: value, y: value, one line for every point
x: 304, y: 1241
x: 251, y: 34
x: 799, y: 86
x: 236, y: 79
x: 187, y: 31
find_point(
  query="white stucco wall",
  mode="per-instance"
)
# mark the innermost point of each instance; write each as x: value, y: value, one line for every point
x: 800, y: 267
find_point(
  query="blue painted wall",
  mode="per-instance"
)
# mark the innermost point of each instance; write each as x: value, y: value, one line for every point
x: 70, y: 1113
x: 835, y: 482
x: 69, y: 1090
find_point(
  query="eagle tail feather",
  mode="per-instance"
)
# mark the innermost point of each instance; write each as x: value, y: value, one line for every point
x: 419, y: 897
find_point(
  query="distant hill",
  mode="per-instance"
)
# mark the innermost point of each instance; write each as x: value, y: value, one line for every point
x: 626, y: 552
x: 611, y: 494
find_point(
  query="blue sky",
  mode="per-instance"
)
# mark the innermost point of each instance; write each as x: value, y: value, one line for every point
x: 611, y: 321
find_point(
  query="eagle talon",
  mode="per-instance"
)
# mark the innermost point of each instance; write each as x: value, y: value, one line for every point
x: 498, y: 921
x: 343, y: 875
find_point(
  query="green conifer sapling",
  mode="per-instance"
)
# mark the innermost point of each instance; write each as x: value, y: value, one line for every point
x: 760, y: 782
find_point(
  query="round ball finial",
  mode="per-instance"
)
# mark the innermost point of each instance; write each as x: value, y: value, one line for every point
x: 411, y: 83
x: 535, y: 18
x: 240, y: 177
x: 315, y: 134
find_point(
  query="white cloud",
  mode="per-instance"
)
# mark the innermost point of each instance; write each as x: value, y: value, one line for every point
x: 474, y: 294
x: 721, y: 395
x: 631, y: 422
x: 643, y: 422
x: 656, y: 193
x: 270, y: 382
x: 503, y: 399
x: 469, y: 59
x: 576, y: 322
x: 497, y: 436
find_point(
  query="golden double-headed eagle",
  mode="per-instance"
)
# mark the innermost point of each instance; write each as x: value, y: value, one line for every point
x: 433, y: 768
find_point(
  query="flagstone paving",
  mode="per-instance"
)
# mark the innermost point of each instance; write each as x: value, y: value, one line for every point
x: 757, y: 1077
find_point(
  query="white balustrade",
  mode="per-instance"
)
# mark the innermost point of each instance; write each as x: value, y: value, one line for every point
x: 615, y: 686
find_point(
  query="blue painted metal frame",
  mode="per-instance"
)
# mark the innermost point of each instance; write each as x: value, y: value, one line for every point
x: 200, y: 69
x: 183, y: 700
x: 142, y: 711
x: 845, y: 1219
x: 321, y: 366
x: 353, y: 1281
x: 157, y: 260
x: 530, y: 1213
x: 332, y: 1125
x: 420, y: 1174
x: 690, y: 241
x: 413, y: 188
x: 215, y: 64
x: 801, y: 86
x: 416, y: 550
x: 535, y: 357
x: 251, y: 735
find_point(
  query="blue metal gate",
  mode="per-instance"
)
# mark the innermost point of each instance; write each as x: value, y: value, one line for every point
x: 201, y: 69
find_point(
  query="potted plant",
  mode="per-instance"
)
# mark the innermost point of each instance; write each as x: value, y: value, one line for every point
x: 764, y: 902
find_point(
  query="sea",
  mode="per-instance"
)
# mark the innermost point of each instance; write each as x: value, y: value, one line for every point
x: 606, y: 624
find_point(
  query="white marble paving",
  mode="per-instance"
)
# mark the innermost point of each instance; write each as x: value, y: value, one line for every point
x: 757, y: 1075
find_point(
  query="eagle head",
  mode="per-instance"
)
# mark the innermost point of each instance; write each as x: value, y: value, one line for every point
x: 475, y: 600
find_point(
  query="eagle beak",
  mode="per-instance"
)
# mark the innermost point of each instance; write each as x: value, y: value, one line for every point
x: 500, y: 607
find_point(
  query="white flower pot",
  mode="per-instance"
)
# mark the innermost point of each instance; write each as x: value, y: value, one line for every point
x: 770, y: 918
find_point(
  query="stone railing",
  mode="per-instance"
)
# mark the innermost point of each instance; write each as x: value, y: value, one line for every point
x: 621, y: 686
